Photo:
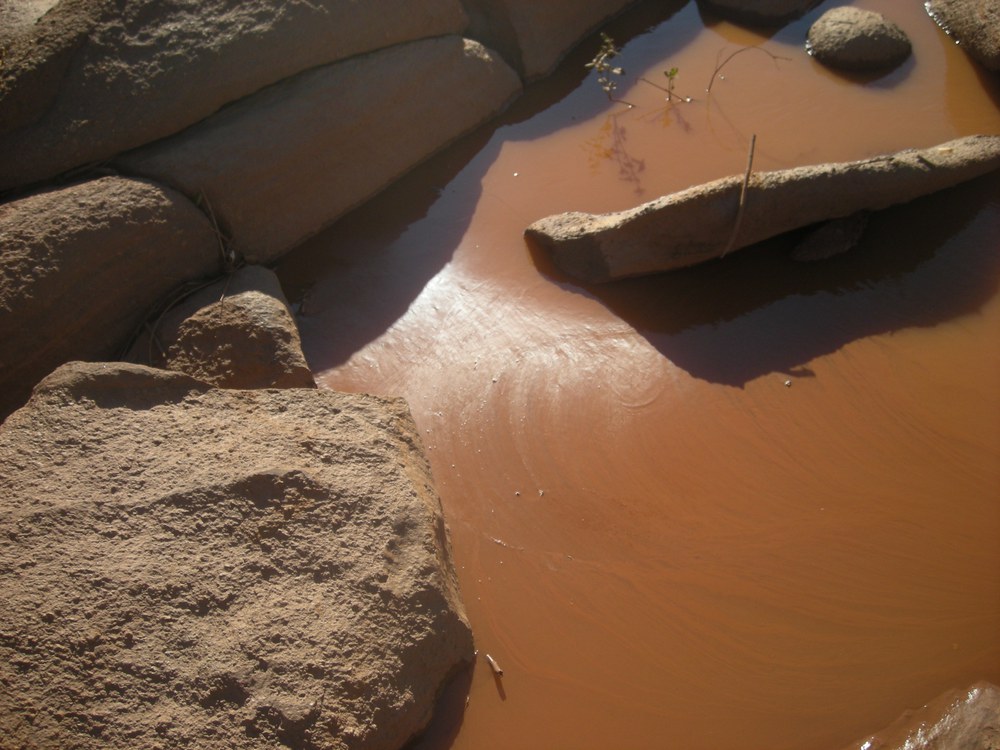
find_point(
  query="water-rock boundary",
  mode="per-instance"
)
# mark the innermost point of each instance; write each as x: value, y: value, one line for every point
x: 706, y: 221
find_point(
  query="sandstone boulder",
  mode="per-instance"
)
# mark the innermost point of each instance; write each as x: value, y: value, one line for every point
x: 280, y: 165
x: 203, y: 568
x: 534, y: 36
x: 80, y: 266
x: 974, y: 23
x: 705, y: 222
x: 235, y: 333
x: 92, y: 79
x: 854, y: 39
x: 759, y: 12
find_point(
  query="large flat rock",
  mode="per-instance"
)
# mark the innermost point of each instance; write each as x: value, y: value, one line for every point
x: 92, y: 79
x: 81, y: 266
x: 697, y: 224
x: 278, y: 166
x: 191, y: 567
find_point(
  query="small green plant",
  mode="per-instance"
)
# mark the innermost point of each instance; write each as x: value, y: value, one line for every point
x: 672, y: 95
x: 606, y: 72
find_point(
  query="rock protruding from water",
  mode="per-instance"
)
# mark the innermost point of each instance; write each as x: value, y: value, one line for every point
x: 280, y: 165
x: 91, y: 79
x: 701, y: 223
x: 193, y: 567
x: 966, y: 719
x: 975, y: 24
x: 81, y: 266
x: 236, y: 333
x: 857, y: 40
x: 760, y: 12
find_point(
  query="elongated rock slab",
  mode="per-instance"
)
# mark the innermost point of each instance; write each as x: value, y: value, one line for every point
x: 696, y: 224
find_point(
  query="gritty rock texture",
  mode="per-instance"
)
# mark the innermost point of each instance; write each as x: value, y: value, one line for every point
x: 532, y: 36
x: 966, y: 719
x: 854, y: 39
x: 191, y: 567
x: 697, y: 224
x: 280, y: 165
x: 93, y: 78
x: 237, y: 333
x: 974, y: 23
x: 80, y: 266
x: 759, y: 12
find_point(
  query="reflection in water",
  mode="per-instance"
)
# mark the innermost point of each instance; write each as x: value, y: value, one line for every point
x: 662, y: 543
x: 611, y: 144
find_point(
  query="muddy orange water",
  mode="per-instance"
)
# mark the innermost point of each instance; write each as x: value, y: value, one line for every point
x: 754, y: 504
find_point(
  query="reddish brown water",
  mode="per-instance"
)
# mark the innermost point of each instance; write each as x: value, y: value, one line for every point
x: 661, y: 543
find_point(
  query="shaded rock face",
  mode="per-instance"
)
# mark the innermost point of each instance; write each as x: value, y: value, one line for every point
x: 974, y: 23
x: 534, y: 36
x: 705, y: 222
x: 80, y: 267
x: 93, y: 79
x: 282, y: 164
x: 860, y: 40
x: 237, y: 333
x: 759, y: 12
x: 192, y: 567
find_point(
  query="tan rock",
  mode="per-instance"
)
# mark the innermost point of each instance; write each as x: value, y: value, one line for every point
x: 93, y: 79
x: 973, y: 23
x: 697, y: 224
x: 236, y: 333
x: 855, y: 39
x: 280, y: 165
x: 81, y: 266
x: 191, y: 567
x: 534, y: 36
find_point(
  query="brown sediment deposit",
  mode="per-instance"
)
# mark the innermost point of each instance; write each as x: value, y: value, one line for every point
x: 749, y: 504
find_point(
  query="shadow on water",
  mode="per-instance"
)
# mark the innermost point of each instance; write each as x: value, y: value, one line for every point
x: 758, y: 312
x: 362, y: 274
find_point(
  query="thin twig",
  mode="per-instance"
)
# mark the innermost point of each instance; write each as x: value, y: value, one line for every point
x: 719, y: 66
x: 228, y: 256
x: 743, y: 197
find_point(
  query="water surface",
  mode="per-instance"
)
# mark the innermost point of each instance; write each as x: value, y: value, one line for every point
x: 748, y: 505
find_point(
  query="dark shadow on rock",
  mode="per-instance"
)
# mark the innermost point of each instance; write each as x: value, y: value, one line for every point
x: 757, y: 312
x: 351, y: 282
x: 449, y: 713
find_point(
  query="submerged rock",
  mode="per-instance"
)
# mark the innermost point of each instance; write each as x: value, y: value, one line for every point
x: 832, y: 238
x: 697, y: 224
x: 973, y: 23
x: 193, y: 567
x: 854, y: 39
